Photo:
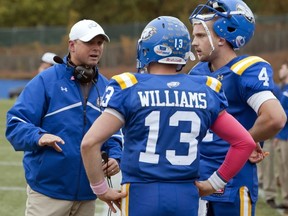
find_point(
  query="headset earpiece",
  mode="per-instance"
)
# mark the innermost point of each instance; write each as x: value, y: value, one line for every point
x: 83, y: 74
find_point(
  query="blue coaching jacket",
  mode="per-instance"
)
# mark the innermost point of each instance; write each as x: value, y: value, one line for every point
x: 52, y: 102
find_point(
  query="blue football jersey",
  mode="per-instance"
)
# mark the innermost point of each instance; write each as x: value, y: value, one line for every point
x: 166, y: 116
x: 241, y: 78
x: 283, y: 134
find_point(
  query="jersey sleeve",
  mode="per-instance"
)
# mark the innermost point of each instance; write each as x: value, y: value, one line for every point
x: 216, y: 87
x: 255, y: 75
x: 117, y: 92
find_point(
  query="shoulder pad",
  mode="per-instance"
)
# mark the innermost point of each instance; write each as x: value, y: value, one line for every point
x: 240, y: 66
x: 125, y: 80
x: 213, y: 83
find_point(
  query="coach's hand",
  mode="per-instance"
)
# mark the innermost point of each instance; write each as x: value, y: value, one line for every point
x: 111, y: 167
x: 51, y: 140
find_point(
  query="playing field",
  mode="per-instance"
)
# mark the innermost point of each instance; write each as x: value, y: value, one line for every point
x: 12, y: 182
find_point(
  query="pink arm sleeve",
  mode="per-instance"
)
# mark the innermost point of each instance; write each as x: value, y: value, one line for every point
x: 242, y: 144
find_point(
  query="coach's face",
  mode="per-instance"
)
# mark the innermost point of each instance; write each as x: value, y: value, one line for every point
x: 87, y: 53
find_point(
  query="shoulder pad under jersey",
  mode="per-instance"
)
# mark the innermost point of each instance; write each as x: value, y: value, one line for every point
x: 125, y: 80
x: 240, y: 66
x: 213, y: 83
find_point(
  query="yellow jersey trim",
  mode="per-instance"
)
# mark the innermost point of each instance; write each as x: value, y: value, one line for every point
x: 214, y: 84
x: 125, y: 80
x: 240, y: 66
x: 125, y: 201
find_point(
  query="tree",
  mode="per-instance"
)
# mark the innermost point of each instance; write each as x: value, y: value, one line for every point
x: 23, y: 13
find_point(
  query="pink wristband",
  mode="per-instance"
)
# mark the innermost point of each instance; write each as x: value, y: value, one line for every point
x: 100, y: 187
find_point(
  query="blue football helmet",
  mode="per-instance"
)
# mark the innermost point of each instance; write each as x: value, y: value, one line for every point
x: 235, y: 21
x: 164, y: 40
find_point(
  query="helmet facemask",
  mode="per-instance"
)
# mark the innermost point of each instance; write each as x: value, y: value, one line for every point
x: 235, y: 22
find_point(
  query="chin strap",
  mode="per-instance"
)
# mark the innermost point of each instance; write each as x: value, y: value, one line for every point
x: 201, y: 21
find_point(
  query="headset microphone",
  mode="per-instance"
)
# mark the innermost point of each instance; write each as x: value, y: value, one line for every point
x: 58, y: 59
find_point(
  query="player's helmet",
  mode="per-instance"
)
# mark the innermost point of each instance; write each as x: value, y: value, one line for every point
x: 235, y: 21
x: 164, y: 40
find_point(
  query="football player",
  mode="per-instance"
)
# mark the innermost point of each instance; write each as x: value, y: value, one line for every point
x: 219, y: 28
x: 164, y: 115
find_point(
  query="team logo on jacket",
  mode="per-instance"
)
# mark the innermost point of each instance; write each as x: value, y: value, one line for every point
x: 99, y: 101
x: 64, y: 89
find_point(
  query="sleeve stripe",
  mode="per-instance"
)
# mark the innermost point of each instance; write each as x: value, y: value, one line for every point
x: 214, y: 84
x: 125, y: 80
x: 242, y: 65
x: 115, y: 113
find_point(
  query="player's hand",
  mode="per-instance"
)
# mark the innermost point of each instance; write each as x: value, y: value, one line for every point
x: 113, y: 197
x: 204, y: 188
x: 258, y: 154
x: 111, y: 167
x: 51, y: 140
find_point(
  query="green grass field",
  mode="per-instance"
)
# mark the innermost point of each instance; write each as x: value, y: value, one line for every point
x: 12, y: 182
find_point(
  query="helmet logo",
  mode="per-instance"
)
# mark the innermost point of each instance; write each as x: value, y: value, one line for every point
x: 162, y: 50
x: 247, y: 13
x: 148, y: 33
x: 240, y: 41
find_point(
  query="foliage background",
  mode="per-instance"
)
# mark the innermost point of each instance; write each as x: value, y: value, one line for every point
x: 25, y: 13
x: 20, y: 60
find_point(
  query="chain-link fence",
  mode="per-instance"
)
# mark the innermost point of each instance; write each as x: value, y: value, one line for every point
x: 21, y: 48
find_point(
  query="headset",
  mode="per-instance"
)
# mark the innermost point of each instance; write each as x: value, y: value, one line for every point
x: 84, y: 74
x: 81, y: 73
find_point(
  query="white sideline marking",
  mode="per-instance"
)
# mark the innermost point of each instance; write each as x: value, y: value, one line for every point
x: 12, y: 189
x: 5, y: 163
x: 18, y: 164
